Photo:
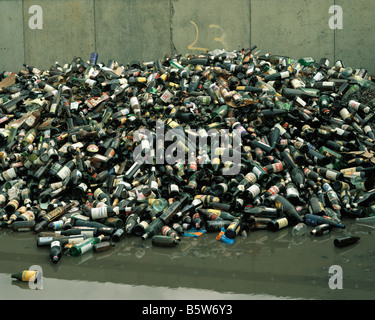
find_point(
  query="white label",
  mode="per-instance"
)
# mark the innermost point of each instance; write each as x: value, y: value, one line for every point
x: 284, y: 74
x: 83, y: 186
x: 367, y: 129
x: 9, y: 174
x: 99, y: 213
x: 154, y: 185
x: 174, y: 187
x: 301, y: 102
x: 254, y: 190
x: 80, y: 239
x: 319, y: 76
x: 344, y: 113
x: 133, y: 101
x: 55, y: 243
x: 354, y: 104
x: 166, y: 97
x: 339, y: 131
x: 87, y: 247
x: 292, y: 192
x: 257, y: 171
x: 331, y: 175
x: 30, y: 120
x: 64, y: 172
x: 225, y: 187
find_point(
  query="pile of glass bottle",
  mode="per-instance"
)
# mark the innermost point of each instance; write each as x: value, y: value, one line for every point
x: 68, y: 137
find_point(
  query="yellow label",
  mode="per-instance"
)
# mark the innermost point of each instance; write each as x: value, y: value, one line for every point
x: 29, y: 275
x: 283, y: 222
x: 214, y: 211
x: 173, y: 124
x: 278, y: 204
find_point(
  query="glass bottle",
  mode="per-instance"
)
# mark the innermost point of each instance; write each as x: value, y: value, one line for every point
x: 288, y: 209
x: 55, y: 251
x: 85, y: 246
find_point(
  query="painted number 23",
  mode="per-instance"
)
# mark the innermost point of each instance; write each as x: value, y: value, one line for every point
x: 192, y: 46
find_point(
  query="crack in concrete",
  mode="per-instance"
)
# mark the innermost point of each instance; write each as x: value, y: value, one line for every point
x: 171, y: 14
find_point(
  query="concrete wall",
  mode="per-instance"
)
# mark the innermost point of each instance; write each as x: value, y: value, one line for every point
x: 136, y: 30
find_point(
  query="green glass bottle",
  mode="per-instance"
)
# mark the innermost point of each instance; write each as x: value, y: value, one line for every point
x: 85, y: 246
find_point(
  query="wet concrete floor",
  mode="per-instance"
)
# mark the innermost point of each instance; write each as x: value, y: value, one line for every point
x: 263, y: 265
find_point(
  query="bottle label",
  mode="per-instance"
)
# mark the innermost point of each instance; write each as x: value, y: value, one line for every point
x: 251, y: 177
x: 273, y: 190
x: 9, y: 174
x: 331, y: 175
x: 64, y: 172
x: 154, y: 185
x: 344, y: 113
x: 55, y: 243
x: 282, y: 222
x: 367, y: 129
x: 277, y: 167
x: 257, y: 171
x: 28, y: 275
x: 165, y: 231
x: 284, y: 74
x: 97, y: 192
x: 99, y: 213
x: 133, y: 101
x: 28, y: 215
x: 174, y: 187
x: 86, y: 247
x: 254, y: 190
x: 78, y: 240
x: 83, y: 186
x: 292, y: 192
x: 30, y: 120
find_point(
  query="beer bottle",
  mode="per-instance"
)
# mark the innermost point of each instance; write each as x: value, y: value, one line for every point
x: 298, y: 177
x: 315, y: 205
x: 131, y: 221
x: 345, y: 241
x: 286, y: 208
x: 252, y: 192
x: 12, y: 205
x: 321, y: 229
x: 315, y: 220
x: 23, y: 226
x: 14, y: 216
x: 249, y: 179
x: 85, y: 246
x: 167, y: 231
x: 66, y: 170
x: 53, y: 215
x: 55, y: 251
x: 332, y: 198
x: 214, y: 214
x: 234, y: 228
x: 26, y: 275
x: 292, y: 193
x: 277, y: 224
x: 164, y: 241
x: 103, y: 212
